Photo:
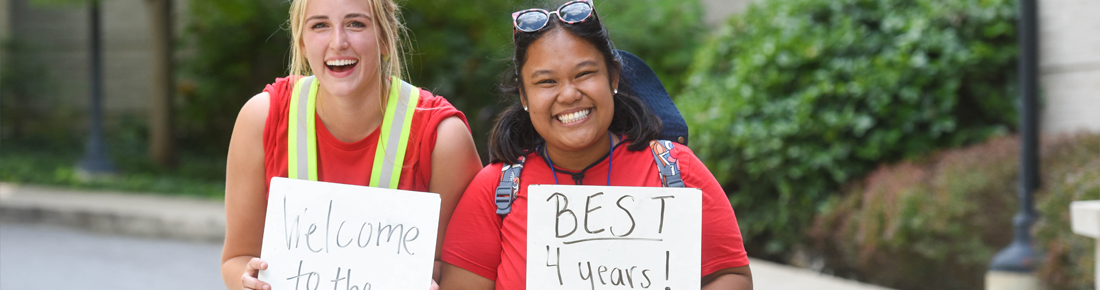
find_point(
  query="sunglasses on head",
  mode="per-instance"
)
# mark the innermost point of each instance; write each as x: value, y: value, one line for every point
x: 571, y: 12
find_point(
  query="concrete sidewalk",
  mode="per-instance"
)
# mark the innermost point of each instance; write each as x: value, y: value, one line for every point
x: 158, y: 216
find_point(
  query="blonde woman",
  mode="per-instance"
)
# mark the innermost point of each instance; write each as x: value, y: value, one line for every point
x: 346, y: 63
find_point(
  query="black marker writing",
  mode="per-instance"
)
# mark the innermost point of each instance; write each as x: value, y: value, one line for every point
x: 661, y: 228
x: 328, y: 220
x: 338, y: 230
x: 312, y: 229
x: 286, y: 232
x: 588, y: 210
x: 632, y: 223
x: 309, y: 278
x: 556, y: 263
x: 562, y: 209
x: 370, y: 233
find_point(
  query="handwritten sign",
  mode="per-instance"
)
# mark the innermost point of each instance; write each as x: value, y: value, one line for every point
x: 611, y: 237
x: 321, y: 235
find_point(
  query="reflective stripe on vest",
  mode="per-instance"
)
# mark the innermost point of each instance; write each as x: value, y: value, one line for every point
x: 392, y: 140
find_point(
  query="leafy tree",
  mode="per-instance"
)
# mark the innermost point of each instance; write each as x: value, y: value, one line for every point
x: 793, y: 98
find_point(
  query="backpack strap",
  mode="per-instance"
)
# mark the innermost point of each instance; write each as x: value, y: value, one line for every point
x: 666, y: 165
x: 509, y: 186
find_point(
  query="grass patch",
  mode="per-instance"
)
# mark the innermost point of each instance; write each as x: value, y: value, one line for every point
x: 53, y: 162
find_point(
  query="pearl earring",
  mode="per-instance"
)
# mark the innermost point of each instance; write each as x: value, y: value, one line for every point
x: 615, y: 91
x: 525, y: 108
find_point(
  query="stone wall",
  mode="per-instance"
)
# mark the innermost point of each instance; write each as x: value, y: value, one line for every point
x: 60, y: 36
x: 1069, y: 64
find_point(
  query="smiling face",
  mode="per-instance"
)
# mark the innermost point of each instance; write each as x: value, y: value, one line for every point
x: 340, y: 44
x: 567, y: 89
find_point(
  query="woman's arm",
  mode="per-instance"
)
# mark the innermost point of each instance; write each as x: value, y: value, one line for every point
x: 729, y: 278
x: 245, y: 197
x: 454, y: 163
x: 462, y: 279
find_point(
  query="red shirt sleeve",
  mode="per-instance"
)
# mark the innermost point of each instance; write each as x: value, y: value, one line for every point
x: 434, y: 109
x: 472, y: 241
x: 722, y: 244
x: 275, y: 128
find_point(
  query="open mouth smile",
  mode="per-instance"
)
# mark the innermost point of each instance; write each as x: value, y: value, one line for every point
x: 341, y: 65
x: 573, y: 117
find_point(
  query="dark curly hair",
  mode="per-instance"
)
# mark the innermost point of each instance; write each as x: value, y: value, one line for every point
x: 513, y: 134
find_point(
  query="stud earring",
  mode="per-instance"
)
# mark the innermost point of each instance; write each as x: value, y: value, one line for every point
x: 525, y: 108
x: 615, y: 91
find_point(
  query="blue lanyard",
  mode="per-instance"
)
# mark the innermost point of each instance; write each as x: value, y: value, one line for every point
x: 610, y: 160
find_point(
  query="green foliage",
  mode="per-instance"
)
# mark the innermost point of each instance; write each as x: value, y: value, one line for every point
x: 1070, y: 258
x: 25, y: 89
x: 663, y: 33
x: 458, y: 52
x: 936, y: 224
x: 924, y: 225
x: 234, y: 48
x: 793, y: 98
x: 51, y: 161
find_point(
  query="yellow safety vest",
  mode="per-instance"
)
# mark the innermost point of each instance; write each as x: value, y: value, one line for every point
x: 302, y: 149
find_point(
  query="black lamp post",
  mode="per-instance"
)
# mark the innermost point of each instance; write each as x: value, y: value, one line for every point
x: 96, y: 161
x: 1019, y: 256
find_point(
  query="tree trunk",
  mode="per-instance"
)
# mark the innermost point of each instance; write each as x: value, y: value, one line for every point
x: 161, y: 146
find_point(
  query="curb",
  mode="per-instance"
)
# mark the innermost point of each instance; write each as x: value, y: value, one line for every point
x: 142, y: 215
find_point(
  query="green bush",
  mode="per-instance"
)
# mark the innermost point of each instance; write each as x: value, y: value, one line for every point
x: 232, y: 49
x: 52, y: 161
x: 663, y: 33
x: 1070, y: 258
x: 936, y: 224
x: 793, y: 98
x: 27, y: 105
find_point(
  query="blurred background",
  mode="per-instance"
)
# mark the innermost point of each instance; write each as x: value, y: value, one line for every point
x: 873, y: 140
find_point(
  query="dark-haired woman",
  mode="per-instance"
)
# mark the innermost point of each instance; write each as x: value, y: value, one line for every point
x: 570, y: 121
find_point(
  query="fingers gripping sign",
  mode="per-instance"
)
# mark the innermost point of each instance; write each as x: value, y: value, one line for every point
x: 251, y: 270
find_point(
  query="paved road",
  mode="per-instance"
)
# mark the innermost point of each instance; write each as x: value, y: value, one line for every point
x: 47, y: 257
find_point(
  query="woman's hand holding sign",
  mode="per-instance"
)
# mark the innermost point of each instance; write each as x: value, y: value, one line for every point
x: 251, y: 271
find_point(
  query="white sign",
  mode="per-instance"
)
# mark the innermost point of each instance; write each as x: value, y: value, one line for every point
x: 613, y: 237
x: 321, y: 235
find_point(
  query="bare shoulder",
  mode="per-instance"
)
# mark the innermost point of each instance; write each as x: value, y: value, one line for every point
x: 248, y: 130
x: 452, y: 125
x: 453, y: 139
x: 255, y: 110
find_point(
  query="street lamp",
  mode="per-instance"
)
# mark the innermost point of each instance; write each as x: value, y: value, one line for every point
x: 1013, y: 267
x: 95, y: 161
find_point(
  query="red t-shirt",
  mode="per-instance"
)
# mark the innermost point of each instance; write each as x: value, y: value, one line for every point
x: 350, y: 163
x: 479, y: 241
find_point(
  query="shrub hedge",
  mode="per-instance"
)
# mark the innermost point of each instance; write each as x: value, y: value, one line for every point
x: 232, y: 48
x: 1075, y: 175
x: 936, y: 223
x: 793, y: 98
